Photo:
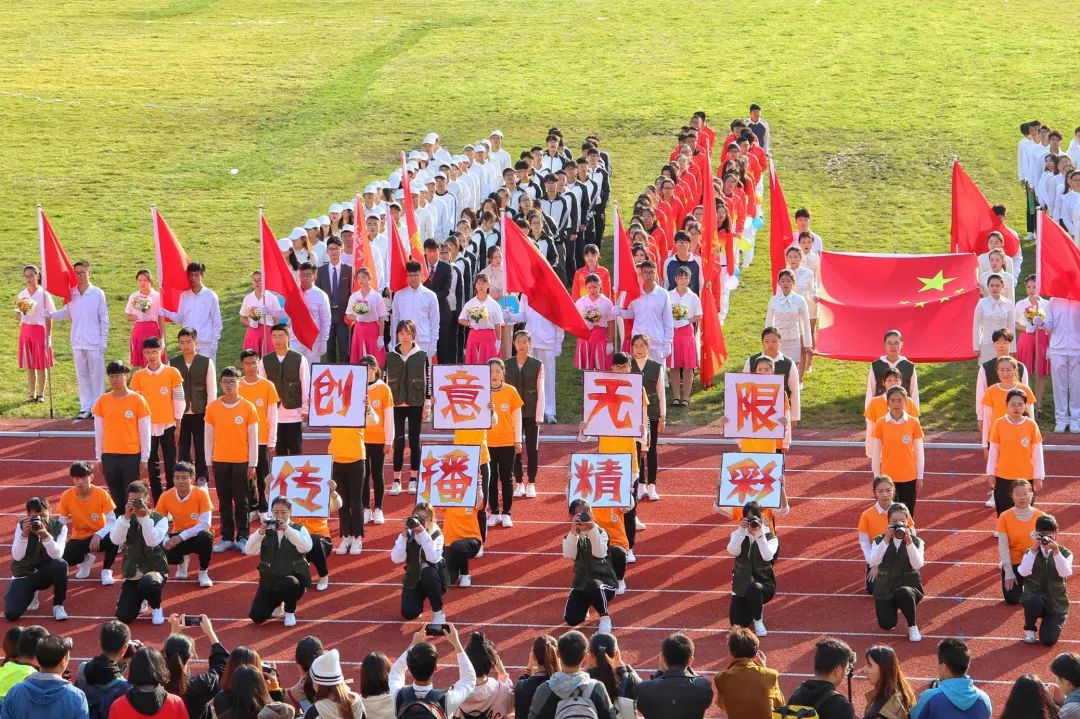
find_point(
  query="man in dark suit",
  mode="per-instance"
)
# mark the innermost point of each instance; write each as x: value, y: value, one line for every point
x: 335, y: 279
x: 440, y: 281
x: 677, y: 691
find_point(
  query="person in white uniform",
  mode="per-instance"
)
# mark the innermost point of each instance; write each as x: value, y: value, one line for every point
x: 89, y: 334
x: 1063, y: 324
x: 199, y: 308
x: 992, y: 313
x: 789, y: 313
x: 651, y: 313
x: 419, y: 304
x: 318, y: 303
x: 547, y: 345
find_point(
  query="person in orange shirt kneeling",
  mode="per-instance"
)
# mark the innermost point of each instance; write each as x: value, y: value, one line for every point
x: 232, y: 443
x: 188, y: 508
x: 1015, y: 528
x: 89, y: 513
x: 898, y: 449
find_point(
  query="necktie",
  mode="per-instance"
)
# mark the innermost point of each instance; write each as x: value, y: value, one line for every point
x: 333, y: 284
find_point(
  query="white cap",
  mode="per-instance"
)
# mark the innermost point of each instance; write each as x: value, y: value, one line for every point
x: 326, y: 669
x: 496, y: 133
x: 416, y: 155
x: 324, y: 220
x: 412, y: 166
x: 347, y: 228
x: 336, y: 207
x: 430, y: 139
x: 394, y: 179
x: 312, y: 224
x: 440, y: 174
x: 297, y: 233
x: 482, y: 145
x: 377, y: 211
x: 469, y: 146
x: 399, y: 194
x: 371, y: 188
x: 284, y: 244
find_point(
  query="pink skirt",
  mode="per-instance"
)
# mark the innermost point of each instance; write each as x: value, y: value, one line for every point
x: 684, y: 351
x: 139, y: 332
x: 33, y: 354
x: 592, y: 353
x: 480, y: 347
x: 1025, y: 351
x: 257, y: 337
x: 365, y: 341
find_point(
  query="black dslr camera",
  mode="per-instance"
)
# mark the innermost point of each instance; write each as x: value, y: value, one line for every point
x: 899, y: 530
x: 753, y: 522
x: 273, y: 524
x: 412, y: 522
x: 1045, y: 539
x: 36, y: 524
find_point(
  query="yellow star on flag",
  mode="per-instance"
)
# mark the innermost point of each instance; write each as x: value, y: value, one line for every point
x: 937, y: 282
x: 920, y: 304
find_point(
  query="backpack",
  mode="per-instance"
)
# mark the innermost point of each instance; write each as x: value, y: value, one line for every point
x: 430, y: 706
x: 800, y: 711
x: 577, y: 705
x: 100, y: 697
x: 478, y: 714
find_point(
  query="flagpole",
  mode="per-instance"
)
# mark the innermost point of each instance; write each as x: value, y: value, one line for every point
x: 262, y: 271
x: 1038, y: 295
x: 41, y: 247
x: 160, y: 276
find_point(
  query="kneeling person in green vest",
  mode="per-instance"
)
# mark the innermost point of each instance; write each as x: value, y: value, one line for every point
x: 36, y: 562
x: 283, y: 567
x: 142, y: 533
x: 595, y: 583
x: 419, y: 547
x: 753, y: 583
x: 1045, y: 567
x: 895, y: 561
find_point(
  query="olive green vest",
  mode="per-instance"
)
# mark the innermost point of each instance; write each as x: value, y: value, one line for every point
x: 895, y: 570
x: 524, y: 379
x: 138, y: 556
x: 407, y: 377
x: 650, y: 374
x: 751, y: 567
x: 1045, y: 580
x: 780, y: 367
x: 285, y: 374
x: 279, y: 558
x: 194, y: 381
x: 907, y: 371
x: 414, y: 560
x: 587, y: 567
x: 35, y: 552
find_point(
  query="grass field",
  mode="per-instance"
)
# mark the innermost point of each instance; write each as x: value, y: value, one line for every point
x: 108, y: 107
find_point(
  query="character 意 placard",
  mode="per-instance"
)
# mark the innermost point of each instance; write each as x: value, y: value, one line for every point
x: 753, y: 405
x: 746, y: 477
x: 304, y: 480
x: 449, y: 475
x: 602, y: 480
x: 338, y: 395
x: 613, y: 405
x: 461, y: 396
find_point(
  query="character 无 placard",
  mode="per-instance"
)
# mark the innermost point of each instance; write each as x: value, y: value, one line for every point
x: 613, y: 405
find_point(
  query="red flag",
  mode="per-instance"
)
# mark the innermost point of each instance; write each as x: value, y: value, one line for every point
x: 779, y: 227
x: 277, y: 278
x: 713, y: 348
x: 57, y: 274
x: 362, y: 256
x: 528, y: 271
x: 973, y: 219
x: 626, y: 287
x: 930, y: 298
x: 416, y: 245
x: 398, y: 277
x: 172, y: 262
x: 1057, y: 261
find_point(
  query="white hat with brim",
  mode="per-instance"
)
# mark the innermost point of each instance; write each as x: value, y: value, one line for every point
x: 297, y: 233
x: 430, y: 139
x: 324, y: 220
x: 347, y: 228
x: 311, y: 224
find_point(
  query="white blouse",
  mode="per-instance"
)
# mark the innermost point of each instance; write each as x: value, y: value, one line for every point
x: 1022, y: 306
x: 42, y: 301
x: 602, y: 304
x: 805, y: 284
x: 790, y: 315
x: 1008, y: 292
x: 376, y: 306
x: 270, y: 305
x: 690, y: 301
x: 991, y: 315
x: 494, y: 314
x: 151, y: 315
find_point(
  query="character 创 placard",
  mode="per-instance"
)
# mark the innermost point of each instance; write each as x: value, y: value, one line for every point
x: 304, y: 479
x: 753, y: 405
x: 746, y: 477
x: 613, y: 404
x: 338, y: 395
x: 602, y: 480
x: 461, y: 396
x: 449, y: 475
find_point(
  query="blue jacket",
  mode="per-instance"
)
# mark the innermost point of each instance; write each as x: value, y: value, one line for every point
x: 955, y: 698
x: 44, y: 696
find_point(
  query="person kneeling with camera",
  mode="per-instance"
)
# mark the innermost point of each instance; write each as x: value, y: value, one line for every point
x: 895, y: 561
x: 752, y: 581
x: 282, y: 546
x: 36, y: 553
x: 142, y: 533
x: 1044, y: 568
x: 595, y: 584
x: 420, y: 548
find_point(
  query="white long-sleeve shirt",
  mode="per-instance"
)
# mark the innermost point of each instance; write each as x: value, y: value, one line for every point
x: 252, y: 438
x: 1063, y: 564
x: 791, y: 316
x: 651, y: 313
x: 110, y: 519
x: 455, y: 695
x: 270, y: 305
x: 211, y: 382
x: 431, y: 548
x: 598, y: 543
x: 89, y: 319
x: 144, y: 437
x: 1063, y: 324
x: 422, y: 307
x: 318, y: 302
x: 767, y: 547
x: 53, y: 547
x: 545, y: 335
x: 866, y: 542
x: 200, y: 310
x: 991, y: 315
x: 154, y: 533
x: 299, y: 538
x: 915, y: 552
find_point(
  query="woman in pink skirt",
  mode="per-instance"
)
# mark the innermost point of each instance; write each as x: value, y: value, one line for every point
x: 1029, y: 336
x: 35, y: 333
x: 259, y: 312
x: 144, y: 310
x: 683, y: 360
x: 367, y: 315
x: 484, y: 318
x: 598, y: 312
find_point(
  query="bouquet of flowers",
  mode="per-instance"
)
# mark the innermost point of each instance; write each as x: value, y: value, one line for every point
x: 478, y: 313
x: 592, y: 315
x: 24, y: 305
x: 1032, y: 312
x: 679, y: 311
x: 255, y: 314
x: 361, y: 308
x: 142, y: 304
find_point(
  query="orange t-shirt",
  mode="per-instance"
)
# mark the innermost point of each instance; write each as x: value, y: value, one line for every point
x: 767, y: 514
x: 898, y: 447
x: 316, y: 526
x: 879, y: 407
x: 157, y: 390
x: 382, y: 403
x: 610, y: 520
x: 759, y: 445
x: 346, y: 444
x: 262, y: 393
x: 1016, y: 447
x: 995, y: 399
x: 506, y: 400
x: 85, y: 516
x: 461, y: 523
x: 474, y: 437
x: 231, y: 429
x: 620, y: 445
x: 874, y: 523
x: 184, y: 513
x: 1017, y: 531
x: 121, y: 419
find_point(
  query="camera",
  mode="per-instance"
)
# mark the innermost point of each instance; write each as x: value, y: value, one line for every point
x: 272, y: 524
x: 139, y: 503
x: 753, y: 523
x: 1045, y: 539
x: 192, y: 620
x: 36, y: 524
x: 412, y: 522
x: 899, y: 530
x: 584, y: 518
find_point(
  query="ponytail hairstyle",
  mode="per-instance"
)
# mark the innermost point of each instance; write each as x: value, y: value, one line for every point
x: 481, y: 653
x: 544, y: 649
x: 307, y: 651
x: 603, y: 648
x: 178, y: 650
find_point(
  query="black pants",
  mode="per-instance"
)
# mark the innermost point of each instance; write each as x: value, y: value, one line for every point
x: 337, y: 343
x: 167, y: 445
x: 599, y: 224
x: 231, y: 481
x: 320, y: 548
x: 594, y: 594
x: 412, y: 415
x: 531, y: 445
x: 256, y: 497
x: 502, y: 475
x: 869, y: 582
x: 1012, y: 596
x: 906, y: 494
x: 20, y: 591
x: 647, y: 469
x: 749, y: 607
x: 120, y: 470
x: 617, y: 555
x: 629, y: 520
x: 430, y: 588
x: 1003, y: 496
x: 575, y: 253
x: 351, y: 480
x: 286, y: 590
x: 75, y: 551
x: 458, y: 554
x: 904, y: 600
x: 290, y: 438
x: 202, y: 544
x: 1037, y: 607
x: 447, y: 348
x: 376, y: 458
x: 133, y: 592
x: 192, y: 435
x: 1030, y: 206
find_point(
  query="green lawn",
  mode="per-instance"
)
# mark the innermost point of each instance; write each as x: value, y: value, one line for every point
x: 108, y: 107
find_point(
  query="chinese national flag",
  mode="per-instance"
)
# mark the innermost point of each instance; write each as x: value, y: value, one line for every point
x: 1057, y: 261
x: 416, y: 245
x: 172, y: 262
x: 57, y: 274
x: 627, y: 288
x: 779, y: 227
x: 929, y: 298
x: 362, y: 256
x: 972, y: 218
x: 528, y: 271
x: 277, y: 278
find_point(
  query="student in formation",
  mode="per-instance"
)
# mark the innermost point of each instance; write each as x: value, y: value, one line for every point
x: 596, y: 309
x: 367, y: 314
x: 994, y: 241
x: 994, y: 399
x: 1015, y: 451
x: 525, y: 374
x: 408, y: 374
x: 89, y: 513
x: 988, y: 370
x: 805, y: 287
x: 89, y: 335
x: 143, y: 310
x: 349, y: 472
x: 36, y: 562
x: 875, y: 520
x: 753, y: 585
x: 259, y: 311
x: 188, y: 509
x: 1045, y: 567
x: 997, y: 267
x: 879, y: 407
x: 200, y: 389
x: 895, y: 560
x: 35, y: 333
x: 592, y: 266
x: 993, y: 312
x: 1033, y: 341
x: 686, y: 312
x: 263, y: 395
x: 638, y: 449
x: 484, y: 318
x: 653, y: 385
x: 898, y: 449
x: 283, y: 569
x: 378, y: 441
x: 141, y: 532
x: 782, y: 365
x: 789, y: 313
x: 318, y: 528
x: 1015, y: 528
x: 121, y: 432
x: 419, y: 547
x: 163, y: 389
x: 290, y: 374
x: 232, y: 441
x: 594, y: 584
x: 892, y: 359
x: 504, y: 444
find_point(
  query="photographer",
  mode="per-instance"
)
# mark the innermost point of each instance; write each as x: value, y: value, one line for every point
x: 833, y: 661
x: 1045, y: 567
x: 875, y: 520
x: 895, y: 573
x: 752, y: 582
x: 142, y: 533
x: 197, y: 690
x: 36, y: 562
x: 422, y: 659
x: 189, y: 511
x: 419, y: 547
x: 586, y: 544
x: 283, y: 567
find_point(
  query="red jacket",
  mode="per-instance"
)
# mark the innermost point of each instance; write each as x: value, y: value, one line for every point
x: 173, y: 708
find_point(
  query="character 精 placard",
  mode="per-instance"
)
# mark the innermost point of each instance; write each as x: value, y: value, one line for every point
x: 461, y: 396
x: 449, y: 475
x: 753, y: 405
x: 338, y: 395
x: 613, y: 404
x: 303, y: 479
x: 746, y: 477
x: 602, y: 480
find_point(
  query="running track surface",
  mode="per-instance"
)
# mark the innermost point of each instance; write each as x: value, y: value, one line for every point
x: 680, y: 582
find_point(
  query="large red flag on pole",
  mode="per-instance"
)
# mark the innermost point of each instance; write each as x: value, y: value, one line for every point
x: 172, y: 262
x: 713, y: 349
x: 1057, y: 261
x: 780, y: 234
x: 416, y: 244
x: 277, y: 278
x: 362, y: 256
x: 626, y: 286
x: 972, y: 217
x: 528, y: 271
x: 398, y: 277
x: 57, y: 274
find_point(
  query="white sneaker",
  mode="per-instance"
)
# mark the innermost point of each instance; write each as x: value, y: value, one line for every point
x: 913, y: 634
x: 639, y: 525
x: 465, y: 581
x: 481, y: 552
x: 144, y: 607
x: 357, y: 546
x: 182, y: 569
x: 438, y: 617
x: 289, y: 619
x: 367, y: 516
x: 412, y: 486
x: 279, y: 612
x: 759, y: 628
x: 990, y: 500
x: 630, y: 558
x: 519, y: 490
x: 222, y: 546
x: 1074, y: 427
x: 323, y: 584
x: 395, y: 488
x: 651, y: 491
x: 346, y: 543
x: 59, y: 614
x: 204, y: 579
x: 605, y: 625
x: 377, y: 517
x: 1029, y: 636
x: 106, y: 577
x: 507, y: 523
x: 530, y: 490
x: 641, y: 491
x: 1061, y: 427
x: 493, y: 519
x: 157, y: 616
x: 84, y: 567
x: 622, y: 587
x: 34, y: 604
